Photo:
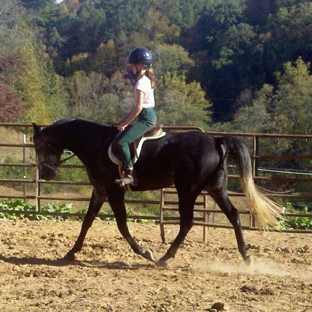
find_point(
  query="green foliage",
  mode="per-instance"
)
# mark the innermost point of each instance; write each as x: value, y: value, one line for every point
x: 229, y: 48
x: 97, y: 98
x: 32, y: 83
x: 13, y: 32
x: 15, y: 208
x: 293, y: 101
x: 302, y: 223
x: 40, y: 88
x: 288, y: 33
x: 179, y: 103
x: 253, y: 114
x: 144, y: 208
x: 171, y: 59
x: 70, y: 175
x: 22, y: 206
x: 105, y: 59
x: 158, y: 28
x: 285, y: 109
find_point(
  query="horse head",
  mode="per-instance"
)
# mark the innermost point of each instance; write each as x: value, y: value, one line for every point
x: 47, y: 152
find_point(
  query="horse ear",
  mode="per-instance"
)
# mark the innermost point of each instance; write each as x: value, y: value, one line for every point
x: 36, y: 130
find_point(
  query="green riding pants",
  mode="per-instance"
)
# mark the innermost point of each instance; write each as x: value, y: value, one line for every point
x: 146, y: 119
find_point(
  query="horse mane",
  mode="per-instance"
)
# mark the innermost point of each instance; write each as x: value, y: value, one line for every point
x: 80, y: 125
x: 69, y: 120
x: 63, y: 121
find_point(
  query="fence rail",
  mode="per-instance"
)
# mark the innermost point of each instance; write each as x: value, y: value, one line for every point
x: 205, y: 209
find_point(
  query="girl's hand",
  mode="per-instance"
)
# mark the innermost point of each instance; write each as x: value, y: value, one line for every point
x: 121, y: 127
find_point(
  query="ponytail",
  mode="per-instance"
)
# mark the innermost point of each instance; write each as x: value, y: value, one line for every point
x: 150, y: 75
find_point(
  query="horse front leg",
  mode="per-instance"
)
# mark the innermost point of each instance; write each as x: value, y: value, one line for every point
x: 95, y: 205
x: 116, y: 201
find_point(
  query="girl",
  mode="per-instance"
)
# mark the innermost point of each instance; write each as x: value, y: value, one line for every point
x: 140, y: 63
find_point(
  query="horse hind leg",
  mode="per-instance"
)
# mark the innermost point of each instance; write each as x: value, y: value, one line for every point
x: 220, y: 196
x: 186, y: 210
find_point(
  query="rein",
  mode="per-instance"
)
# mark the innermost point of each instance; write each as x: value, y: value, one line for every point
x: 67, y: 158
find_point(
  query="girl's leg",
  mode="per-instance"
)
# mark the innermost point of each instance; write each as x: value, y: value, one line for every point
x: 147, y: 119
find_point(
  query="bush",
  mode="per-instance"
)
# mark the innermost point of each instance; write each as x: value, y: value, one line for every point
x: 21, y: 206
x: 303, y: 223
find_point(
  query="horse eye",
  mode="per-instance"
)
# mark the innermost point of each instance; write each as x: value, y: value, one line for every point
x: 53, y: 158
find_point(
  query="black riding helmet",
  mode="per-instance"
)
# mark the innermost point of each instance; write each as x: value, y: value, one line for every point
x: 141, y: 55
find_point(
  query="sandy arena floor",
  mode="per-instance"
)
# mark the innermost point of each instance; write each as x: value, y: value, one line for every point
x: 108, y: 276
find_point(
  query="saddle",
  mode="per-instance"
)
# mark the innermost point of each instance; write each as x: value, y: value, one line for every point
x: 135, y: 146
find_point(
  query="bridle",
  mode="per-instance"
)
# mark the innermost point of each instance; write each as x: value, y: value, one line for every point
x: 44, y: 158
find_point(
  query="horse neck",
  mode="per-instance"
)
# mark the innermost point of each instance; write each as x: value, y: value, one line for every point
x: 81, y: 136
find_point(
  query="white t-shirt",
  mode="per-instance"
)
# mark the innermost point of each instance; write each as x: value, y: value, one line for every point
x: 145, y: 85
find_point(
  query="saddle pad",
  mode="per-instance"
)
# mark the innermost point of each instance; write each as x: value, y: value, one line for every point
x: 117, y: 161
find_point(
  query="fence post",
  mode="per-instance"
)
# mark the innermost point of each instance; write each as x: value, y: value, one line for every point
x: 255, y: 152
x: 161, y: 216
x: 206, y: 218
x: 24, y: 162
x: 37, y: 190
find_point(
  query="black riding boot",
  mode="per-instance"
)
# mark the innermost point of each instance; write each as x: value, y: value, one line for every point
x: 127, y: 177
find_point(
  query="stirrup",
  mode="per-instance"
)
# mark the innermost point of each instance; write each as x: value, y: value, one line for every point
x: 126, y: 178
x: 125, y: 181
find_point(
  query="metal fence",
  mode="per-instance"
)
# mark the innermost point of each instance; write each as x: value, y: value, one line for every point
x: 206, y: 212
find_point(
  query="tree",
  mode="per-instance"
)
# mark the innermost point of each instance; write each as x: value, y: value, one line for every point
x: 95, y: 97
x: 171, y: 59
x: 105, y: 59
x: 252, y: 114
x: 159, y: 28
x: 220, y: 39
x: 291, y: 111
x: 287, y: 36
x: 293, y: 99
x: 230, y: 47
x: 40, y: 88
x: 13, y: 33
x: 179, y: 103
x: 257, y: 12
x: 11, y: 106
x: 31, y: 85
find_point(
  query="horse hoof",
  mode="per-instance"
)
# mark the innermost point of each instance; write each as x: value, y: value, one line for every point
x: 147, y: 254
x: 69, y: 257
x: 162, y: 263
x: 247, y: 260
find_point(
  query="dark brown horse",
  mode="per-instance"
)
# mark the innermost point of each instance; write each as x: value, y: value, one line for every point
x: 192, y: 161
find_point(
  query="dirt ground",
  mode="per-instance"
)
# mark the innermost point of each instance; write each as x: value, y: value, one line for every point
x: 108, y: 276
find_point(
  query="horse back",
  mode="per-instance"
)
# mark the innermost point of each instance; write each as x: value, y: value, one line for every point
x: 177, y: 150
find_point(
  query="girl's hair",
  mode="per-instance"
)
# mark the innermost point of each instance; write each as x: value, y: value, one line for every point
x: 150, y: 74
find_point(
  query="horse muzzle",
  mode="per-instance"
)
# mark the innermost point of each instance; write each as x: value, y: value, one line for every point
x: 47, y: 172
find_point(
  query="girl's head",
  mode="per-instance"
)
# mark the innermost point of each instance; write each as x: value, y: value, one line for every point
x: 141, y: 56
x: 140, y: 63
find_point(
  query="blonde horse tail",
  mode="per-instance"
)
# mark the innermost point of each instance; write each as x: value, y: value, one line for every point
x: 265, y: 211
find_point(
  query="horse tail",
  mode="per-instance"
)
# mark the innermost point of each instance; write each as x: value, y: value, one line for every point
x: 265, y: 211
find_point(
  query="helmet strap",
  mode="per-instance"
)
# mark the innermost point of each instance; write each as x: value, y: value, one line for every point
x: 138, y: 73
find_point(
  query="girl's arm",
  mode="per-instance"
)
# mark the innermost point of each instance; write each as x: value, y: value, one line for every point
x: 136, y: 110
